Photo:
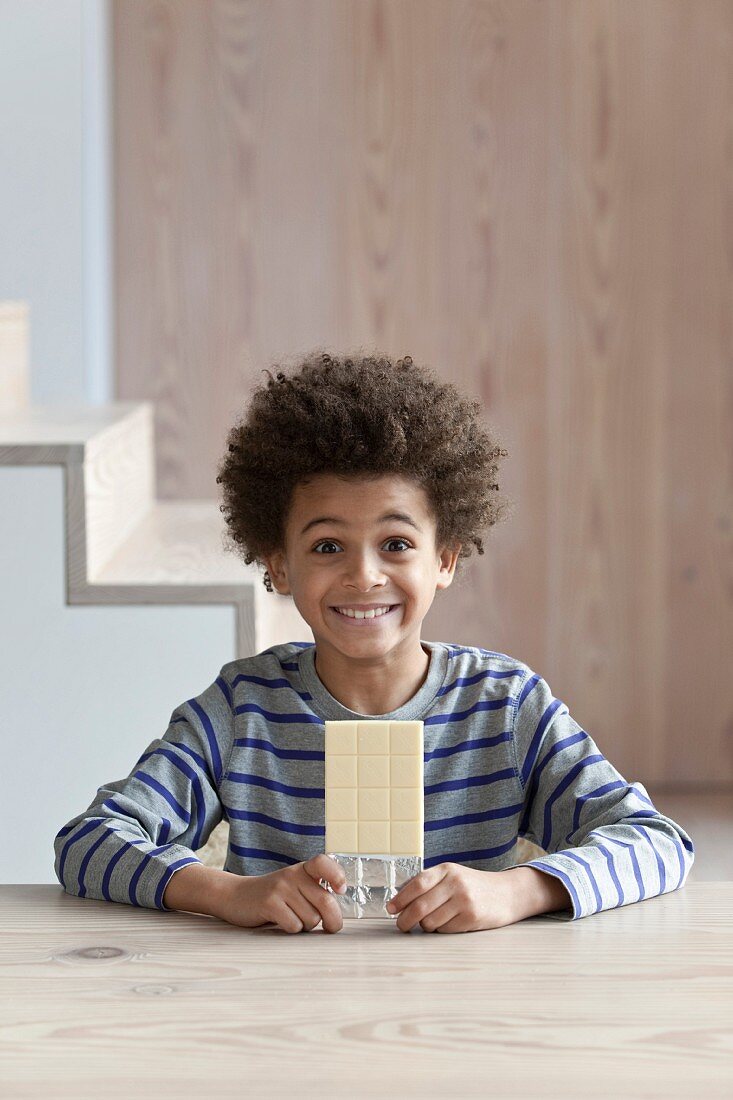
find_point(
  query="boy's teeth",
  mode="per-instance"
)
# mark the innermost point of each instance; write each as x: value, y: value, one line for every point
x: 362, y: 614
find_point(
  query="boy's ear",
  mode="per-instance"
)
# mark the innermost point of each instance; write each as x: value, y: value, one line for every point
x: 448, y: 562
x: 276, y: 567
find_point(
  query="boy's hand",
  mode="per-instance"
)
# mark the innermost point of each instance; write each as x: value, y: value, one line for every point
x: 452, y: 898
x: 290, y: 898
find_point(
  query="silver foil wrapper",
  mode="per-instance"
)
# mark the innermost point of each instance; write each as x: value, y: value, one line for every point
x: 371, y: 881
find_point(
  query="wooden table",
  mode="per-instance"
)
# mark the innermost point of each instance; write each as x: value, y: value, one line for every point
x: 107, y: 1000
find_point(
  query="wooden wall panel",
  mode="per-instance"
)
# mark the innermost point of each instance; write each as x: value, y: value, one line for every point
x: 535, y: 199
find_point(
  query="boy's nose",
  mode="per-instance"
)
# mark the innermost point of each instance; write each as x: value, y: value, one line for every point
x: 364, y: 578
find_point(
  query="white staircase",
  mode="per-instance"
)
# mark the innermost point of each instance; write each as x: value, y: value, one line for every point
x: 89, y: 676
x: 122, y: 545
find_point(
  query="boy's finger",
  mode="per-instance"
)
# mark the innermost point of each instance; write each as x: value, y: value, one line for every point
x: 339, y: 888
x: 412, y: 889
x: 322, y: 867
x: 330, y: 911
x: 402, y: 898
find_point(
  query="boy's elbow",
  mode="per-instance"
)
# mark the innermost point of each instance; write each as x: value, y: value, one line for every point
x: 686, y: 855
x: 58, y: 849
x: 61, y: 864
x: 687, y: 847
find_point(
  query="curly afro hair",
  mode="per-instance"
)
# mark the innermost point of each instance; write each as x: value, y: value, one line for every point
x: 365, y: 416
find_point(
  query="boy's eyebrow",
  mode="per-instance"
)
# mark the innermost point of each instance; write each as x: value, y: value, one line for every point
x: 399, y: 516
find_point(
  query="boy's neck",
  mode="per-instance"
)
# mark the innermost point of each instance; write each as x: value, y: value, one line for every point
x: 378, y: 689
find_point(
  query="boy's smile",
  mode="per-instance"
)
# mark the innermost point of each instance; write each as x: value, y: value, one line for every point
x: 365, y: 545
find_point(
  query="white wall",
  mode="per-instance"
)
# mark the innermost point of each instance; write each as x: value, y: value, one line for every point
x: 83, y: 690
x: 55, y: 190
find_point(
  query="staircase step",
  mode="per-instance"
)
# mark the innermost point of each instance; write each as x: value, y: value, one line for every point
x: 177, y: 542
x: 123, y: 545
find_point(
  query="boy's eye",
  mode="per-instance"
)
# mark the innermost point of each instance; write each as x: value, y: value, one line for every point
x: 330, y: 542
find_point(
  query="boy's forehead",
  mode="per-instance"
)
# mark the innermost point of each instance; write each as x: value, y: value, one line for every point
x: 340, y: 494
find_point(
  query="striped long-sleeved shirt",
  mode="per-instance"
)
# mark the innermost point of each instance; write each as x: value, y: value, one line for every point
x: 502, y: 759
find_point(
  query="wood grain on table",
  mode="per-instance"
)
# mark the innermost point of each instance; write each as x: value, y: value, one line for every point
x: 100, y: 998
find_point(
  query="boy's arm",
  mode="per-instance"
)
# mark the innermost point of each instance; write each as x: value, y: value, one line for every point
x: 607, y: 844
x: 140, y: 831
x: 536, y: 892
x: 199, y: 889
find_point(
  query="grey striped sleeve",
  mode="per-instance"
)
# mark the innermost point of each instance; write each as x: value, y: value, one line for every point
x: 607, y: 843
x: 138, y: 831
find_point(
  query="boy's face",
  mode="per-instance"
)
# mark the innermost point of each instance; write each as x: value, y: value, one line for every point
x: 356, y: 557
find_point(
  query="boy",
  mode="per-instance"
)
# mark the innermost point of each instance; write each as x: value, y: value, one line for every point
x: 359, y: 484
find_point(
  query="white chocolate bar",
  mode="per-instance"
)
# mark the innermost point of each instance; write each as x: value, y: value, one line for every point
x: 374, y: 788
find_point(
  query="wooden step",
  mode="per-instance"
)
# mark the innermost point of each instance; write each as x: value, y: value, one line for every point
x: 125, y: 547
